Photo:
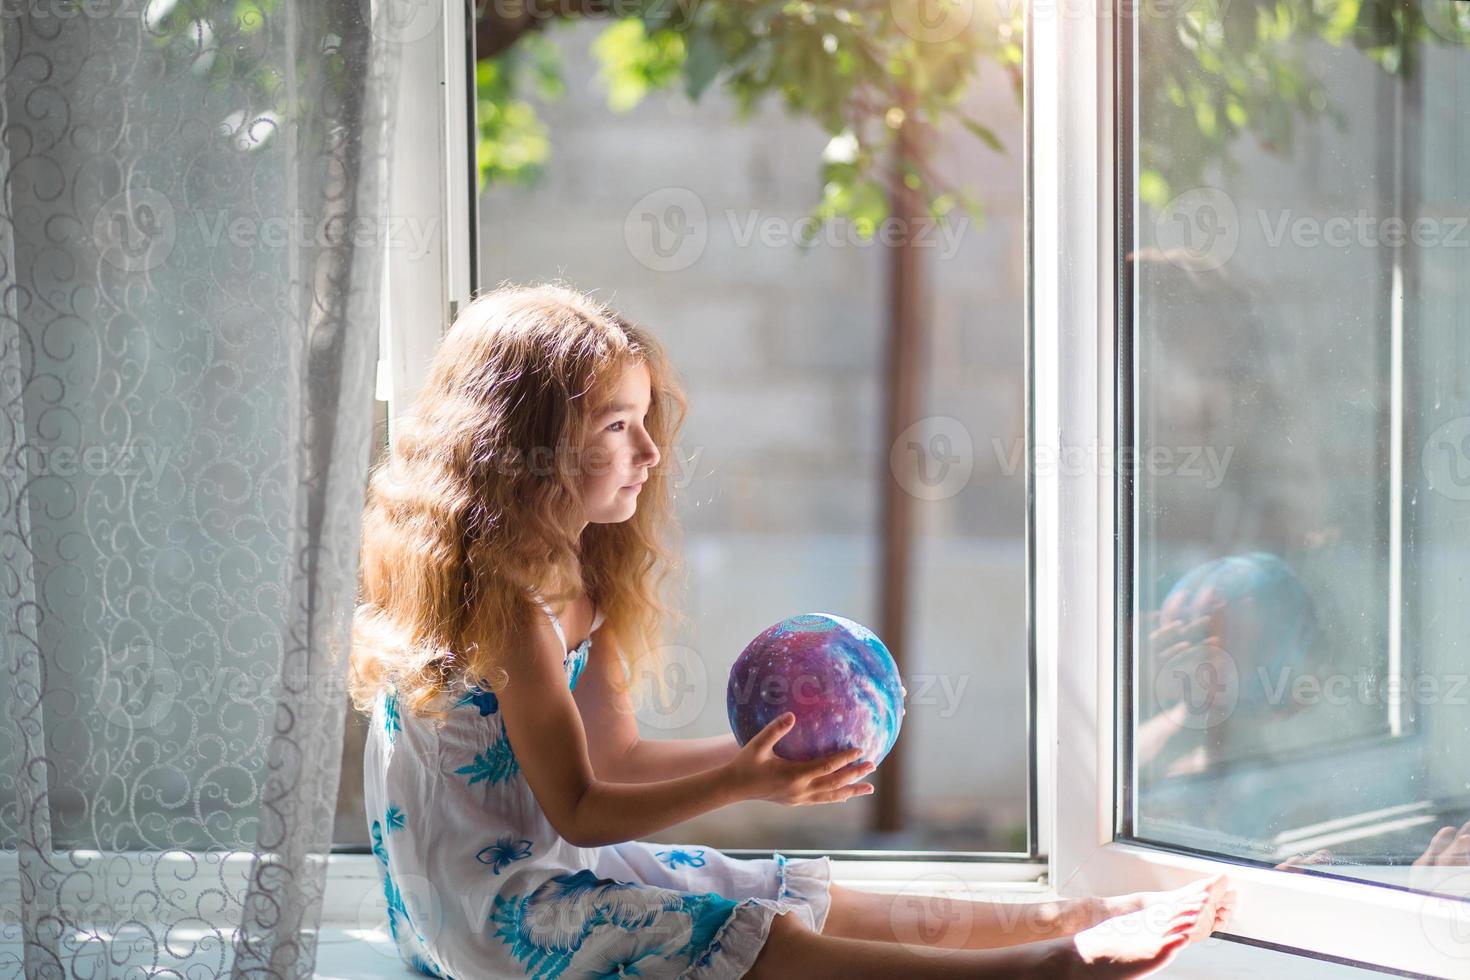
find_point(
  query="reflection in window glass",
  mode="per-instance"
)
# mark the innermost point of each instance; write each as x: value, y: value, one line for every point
x: 1300, y: 417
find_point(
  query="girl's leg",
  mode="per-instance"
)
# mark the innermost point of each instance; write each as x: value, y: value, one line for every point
x: 793, y: 950
x: 945, y: 922
x: 1121, y: 948
x: 955, y: 923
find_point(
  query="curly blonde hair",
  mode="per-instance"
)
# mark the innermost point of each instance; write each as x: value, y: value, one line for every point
x: 477, y: 503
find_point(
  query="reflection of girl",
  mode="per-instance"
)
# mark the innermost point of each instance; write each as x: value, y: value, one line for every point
x: 1231, y: 639
x: 1223, y: 653
x: 1448, y: 848
x: 1218, y: 369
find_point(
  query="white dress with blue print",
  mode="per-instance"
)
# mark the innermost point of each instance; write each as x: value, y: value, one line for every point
x: 479, y: 884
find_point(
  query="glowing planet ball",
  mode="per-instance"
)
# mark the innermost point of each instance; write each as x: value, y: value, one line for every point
x: 1259, y: 613
x: 833, y: 674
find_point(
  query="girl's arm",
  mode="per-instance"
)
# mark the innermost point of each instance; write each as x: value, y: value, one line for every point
x: 545, y: 730
x: 652, y: 759
x: 618, y: 753
x: 610, y: 813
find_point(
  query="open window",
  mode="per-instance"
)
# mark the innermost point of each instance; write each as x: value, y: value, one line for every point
x: 689, y: 218
x: 1251, y: 234
x: 1247, y: 451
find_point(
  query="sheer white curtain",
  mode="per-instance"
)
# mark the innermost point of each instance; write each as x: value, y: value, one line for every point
x: 190, y: 279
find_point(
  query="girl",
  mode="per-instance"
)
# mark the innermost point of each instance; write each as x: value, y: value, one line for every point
x: 522, y: 508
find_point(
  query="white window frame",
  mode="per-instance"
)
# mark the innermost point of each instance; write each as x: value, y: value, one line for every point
x: 434, y: 193
x: 1076, y: 389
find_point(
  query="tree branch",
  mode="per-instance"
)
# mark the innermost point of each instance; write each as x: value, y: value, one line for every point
x: 500, y: 23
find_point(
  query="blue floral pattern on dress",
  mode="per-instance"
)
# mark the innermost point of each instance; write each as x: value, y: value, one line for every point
x: 620, y: 955
x: 545, y: 929
x: 393, y: 896
x: 390, y: 889
x: 392, y: 724
x: 577, y: 659
x: 497, y: 764
x: 503, y: 852
x: 677, y: 856
x: 378, y: 850
x: 486, y: 701
x: 426, y: 967
x: 708, y: 913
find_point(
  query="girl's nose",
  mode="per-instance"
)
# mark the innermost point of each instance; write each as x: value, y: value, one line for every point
x: 649, y: 451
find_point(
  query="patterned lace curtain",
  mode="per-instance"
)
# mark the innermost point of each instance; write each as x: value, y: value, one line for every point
x: 191, y: 240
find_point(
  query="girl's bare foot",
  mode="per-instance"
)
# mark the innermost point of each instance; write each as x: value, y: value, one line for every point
x: 1216, y: 890
x: 1143, y: 941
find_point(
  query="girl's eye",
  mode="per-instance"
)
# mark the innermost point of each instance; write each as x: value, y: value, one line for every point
x: 621, y: 422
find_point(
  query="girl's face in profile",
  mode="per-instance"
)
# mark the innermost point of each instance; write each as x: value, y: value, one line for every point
x: 618, y: 452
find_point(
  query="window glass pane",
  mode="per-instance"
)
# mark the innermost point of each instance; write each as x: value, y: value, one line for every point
x: 687, y: 217
x: 1300, y: 415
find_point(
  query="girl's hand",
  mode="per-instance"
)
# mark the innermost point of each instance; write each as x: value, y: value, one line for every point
x: 759, y: 774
